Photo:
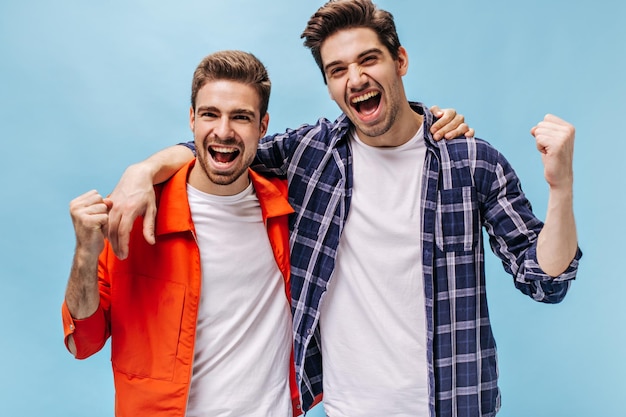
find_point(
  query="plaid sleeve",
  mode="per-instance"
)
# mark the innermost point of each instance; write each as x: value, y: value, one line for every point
x: 513, y: 229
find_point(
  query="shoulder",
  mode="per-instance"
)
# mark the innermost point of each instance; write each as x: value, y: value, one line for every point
x: 464, y: 159
x: 463, y: 148
x: 323, y: 130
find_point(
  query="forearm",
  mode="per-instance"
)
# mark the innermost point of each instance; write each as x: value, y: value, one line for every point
x: 557, y: 242
x: 82, y: 296
x: 163, y: 164
x: 85, y: 309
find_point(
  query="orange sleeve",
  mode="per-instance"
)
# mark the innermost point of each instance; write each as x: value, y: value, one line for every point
x: 90, y: 334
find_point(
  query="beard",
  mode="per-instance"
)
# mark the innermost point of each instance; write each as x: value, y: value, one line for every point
x: 389, y: 117
x: 225, y: 176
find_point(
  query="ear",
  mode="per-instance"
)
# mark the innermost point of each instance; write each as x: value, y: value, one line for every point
x: 402, y: 61
x: 265, y: 121
x: 192, y: 118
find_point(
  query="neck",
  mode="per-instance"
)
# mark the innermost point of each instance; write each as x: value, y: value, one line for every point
x: 199, y: 180
x: 407, y: 124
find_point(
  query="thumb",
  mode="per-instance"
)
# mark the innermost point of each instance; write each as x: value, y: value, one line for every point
x: 108, y: 202
x: 436, y: 111
x: 105, y: 225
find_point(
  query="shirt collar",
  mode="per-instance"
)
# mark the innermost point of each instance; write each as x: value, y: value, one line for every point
x: 343, y: 124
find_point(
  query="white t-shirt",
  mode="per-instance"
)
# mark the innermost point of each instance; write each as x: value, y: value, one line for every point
x: 244, y: 338
x: 372, y: 320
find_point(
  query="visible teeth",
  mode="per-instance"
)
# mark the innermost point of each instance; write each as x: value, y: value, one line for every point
x: 364, y: 97
x: 223, y: 150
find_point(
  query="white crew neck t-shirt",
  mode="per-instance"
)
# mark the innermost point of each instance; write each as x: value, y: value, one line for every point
x: 244, y: 337
x: 372, y: 321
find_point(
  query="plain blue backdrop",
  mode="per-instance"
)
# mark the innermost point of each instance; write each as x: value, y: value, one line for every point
x: 89, y: 87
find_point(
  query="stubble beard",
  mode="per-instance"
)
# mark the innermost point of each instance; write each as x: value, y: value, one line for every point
x: 223, y: 177
x: 382, y: 127
x: 389, y: 119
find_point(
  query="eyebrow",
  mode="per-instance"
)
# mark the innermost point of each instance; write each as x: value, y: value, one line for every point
x: 246, y: 112
x: 377, y: 51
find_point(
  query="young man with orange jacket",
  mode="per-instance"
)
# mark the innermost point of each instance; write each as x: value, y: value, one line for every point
x: 199, y: 322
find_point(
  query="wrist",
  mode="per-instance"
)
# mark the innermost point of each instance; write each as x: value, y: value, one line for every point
x: 85, y: 256
x: 562, y: 191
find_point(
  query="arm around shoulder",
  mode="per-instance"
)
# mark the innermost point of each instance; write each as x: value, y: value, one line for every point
x: 133, y: 195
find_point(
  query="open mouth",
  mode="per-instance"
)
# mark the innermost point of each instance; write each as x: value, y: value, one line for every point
x: 223, y: 155
x: 367, y: 103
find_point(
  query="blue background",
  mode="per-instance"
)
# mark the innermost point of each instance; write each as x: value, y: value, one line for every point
x: 89, y: 87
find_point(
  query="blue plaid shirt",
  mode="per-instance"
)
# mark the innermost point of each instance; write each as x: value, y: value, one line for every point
x: 467, y: 185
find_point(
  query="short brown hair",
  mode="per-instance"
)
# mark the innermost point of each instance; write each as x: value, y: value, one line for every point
x: 235, y: 66
x: 336, y: 15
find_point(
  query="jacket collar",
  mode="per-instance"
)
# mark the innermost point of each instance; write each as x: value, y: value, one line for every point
x: 174, y: 215
x: 272, y: 195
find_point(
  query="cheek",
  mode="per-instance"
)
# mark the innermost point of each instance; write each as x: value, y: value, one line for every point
x: 334, y: 91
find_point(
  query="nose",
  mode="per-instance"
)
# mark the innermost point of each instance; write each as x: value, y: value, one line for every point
x: 223, y: 128
x: 356, y: 79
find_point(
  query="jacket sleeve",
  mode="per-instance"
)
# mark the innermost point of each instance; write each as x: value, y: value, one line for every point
x: 91, y: 333
x: 513, y: 231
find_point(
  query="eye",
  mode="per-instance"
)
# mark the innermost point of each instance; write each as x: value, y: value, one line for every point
x: 336, y: 72
x: 208, y: 114
x: 242, y: 117
x: 370, y: 59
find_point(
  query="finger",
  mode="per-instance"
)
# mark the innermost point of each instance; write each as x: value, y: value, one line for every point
x: 551, y: 121
x: 443, y: 118
x: 98, y: 222
x: 449, y: 120
x: 88, y: 211
x: 459, y: 131
x: 454, y: 127
x: 554, y: 119
x: 105, y: 227
x: 148, y: 224
x: 123, y: 237
x: 113, y: 226
x: 108, y: 202
x: 541, y: 147
x: 436, y: 111
x: 89, y: 231
x: 549, y: 133
x: 86, y: 199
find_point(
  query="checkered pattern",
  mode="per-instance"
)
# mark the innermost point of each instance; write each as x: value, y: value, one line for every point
x: 468, y: 185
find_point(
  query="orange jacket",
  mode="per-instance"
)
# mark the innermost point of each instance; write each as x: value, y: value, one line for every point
x: 149, y: 302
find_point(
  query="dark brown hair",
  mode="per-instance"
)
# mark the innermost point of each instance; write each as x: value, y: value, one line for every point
x: 336, y: 15
x: 235, y: 66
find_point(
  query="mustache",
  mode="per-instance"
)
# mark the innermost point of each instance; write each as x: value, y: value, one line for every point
x: 230, y: 141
